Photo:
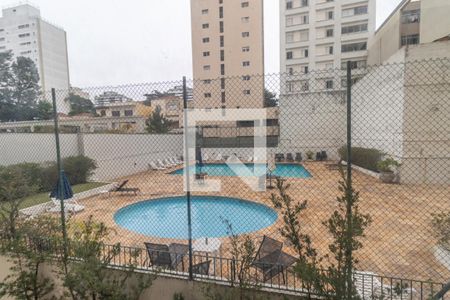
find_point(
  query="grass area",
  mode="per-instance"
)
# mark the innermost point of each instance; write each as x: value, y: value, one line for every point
x: 43, y: 197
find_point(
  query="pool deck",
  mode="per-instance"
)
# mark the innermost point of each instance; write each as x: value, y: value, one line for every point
x: 398, y: 243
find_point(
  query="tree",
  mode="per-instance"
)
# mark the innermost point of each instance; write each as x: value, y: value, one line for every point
x: 89, y: 277
x: 346, y: 226
x: 308, y: 263
x: 80, y: 105
x: 157, y: 123
x: 270, y: 99
x: 25, y: 90
x: 44, y: 110
x: 6, y: 83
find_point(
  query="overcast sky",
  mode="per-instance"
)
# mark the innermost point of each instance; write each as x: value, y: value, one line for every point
x: 118, y: 42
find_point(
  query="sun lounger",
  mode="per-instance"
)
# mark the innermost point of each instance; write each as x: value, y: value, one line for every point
x: 289, y: 157
x: 69, y: 206
x: 122, y: 189
x: 298, y: 157
x: 153, y: 166
x: 279, y: 157
x: 168, y: 163
x: 369, y: 286
x: 161, y: 164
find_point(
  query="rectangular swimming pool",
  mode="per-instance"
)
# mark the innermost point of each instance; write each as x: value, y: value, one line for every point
x: 248, y: 169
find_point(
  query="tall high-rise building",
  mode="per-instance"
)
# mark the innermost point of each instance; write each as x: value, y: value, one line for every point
x: 25, y: 33
x: 324, y: 34
x: 228, y: 53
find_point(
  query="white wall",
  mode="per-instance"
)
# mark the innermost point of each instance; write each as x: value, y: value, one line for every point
x: 119, y: 155
x: 32, y: 147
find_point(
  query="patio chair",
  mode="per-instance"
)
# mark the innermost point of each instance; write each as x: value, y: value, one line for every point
x: 271, y: 260
x: 153, y: 166
x: 279, y: 157
x: 323, y: 155
x: 161, y: 164
x: 168, y: 163
x: 298, y: 157
x: 166, y: 256
x: 289, y: 157
x: 318, y: 156
x: 201, y: 268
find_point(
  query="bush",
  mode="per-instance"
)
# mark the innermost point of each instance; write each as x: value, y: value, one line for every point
x: 366, y: 158
x: 78, y: 168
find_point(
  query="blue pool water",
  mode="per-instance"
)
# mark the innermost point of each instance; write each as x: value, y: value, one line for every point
x: 282, y: 170
x: 167, y: 217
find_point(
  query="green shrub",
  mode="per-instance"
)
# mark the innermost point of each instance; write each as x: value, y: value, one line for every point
x: 78, y: 168
x: 366, y: 158
x: 31, y: 172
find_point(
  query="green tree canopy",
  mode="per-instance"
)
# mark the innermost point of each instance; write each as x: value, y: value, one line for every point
x: 157, y: 123
x: 270, y: 99
x: 80, y: 105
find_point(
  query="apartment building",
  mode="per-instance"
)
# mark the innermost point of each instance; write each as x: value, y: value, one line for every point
x: 25, y: 33
x: 412, y: 22
x: 228, y: 53
x: 324, y: 34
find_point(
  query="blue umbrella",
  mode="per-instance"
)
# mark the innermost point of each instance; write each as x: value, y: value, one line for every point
x: 67, y: 192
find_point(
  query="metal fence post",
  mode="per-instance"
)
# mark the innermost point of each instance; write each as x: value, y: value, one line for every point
x: 186, y: 169
x: 349, y: 263
x: 60, y: 180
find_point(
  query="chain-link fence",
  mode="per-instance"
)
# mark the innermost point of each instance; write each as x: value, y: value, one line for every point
x: 123, y: 155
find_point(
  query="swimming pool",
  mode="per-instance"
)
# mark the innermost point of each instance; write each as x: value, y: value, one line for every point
x: 282, y: 170
x: 167, y: 217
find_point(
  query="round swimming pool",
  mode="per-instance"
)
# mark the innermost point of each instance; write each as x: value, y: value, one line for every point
x: 167, y: 217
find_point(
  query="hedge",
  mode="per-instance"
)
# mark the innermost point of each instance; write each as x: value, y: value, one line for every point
x: 77, y: 168
x: 366, y: 158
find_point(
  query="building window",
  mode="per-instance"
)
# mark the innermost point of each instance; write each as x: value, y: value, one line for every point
x: 305, y: 53
x: 207, y: 95
x: 330, y: 32
x: 206, y: 67
x: 25, y: 44
x: 354, y: 64
x: 245, y: 4
x: 245, y: 63
x: 25, y: 52
x: 24, y: 26
x: 354, y: 47
x: 222, y: 69
x: 115, y: 113
x: 246, y: 49
x: 305, y: 3
x: 206, y: 53
x: 220, y: 1
x: 221, y: 26
x: 354, y: 28
x: 207, y: 81
x: 222, y: 55
x: 289, y: 55
x: 205, y: 26
x: 223, y: 97
x: 1, y: 29
x: 247, y: 92
x: 305, y: 69
x: 2, y: 39
x: 329, y: 84
x: 330, y: 15
x: 289, y: 5
x: 412, y: 39
x: 128, y: 113
x: 245, y: 19
x: 221, y: 12
x: 330, y: 50
x: 205, y: 11
x: 205, y: 40
x: 245, y: 34
x: 222, y: 83
x: 24, y: 35
x: 222, y: 41
x: 359, y: 10
x: 2, y: 47
x: 246, y: 78
x: 411, y: 16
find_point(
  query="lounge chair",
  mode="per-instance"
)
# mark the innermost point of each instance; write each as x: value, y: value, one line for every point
x: 324, y: 155
x: 122, y: 189
x: 69, y: 206
x: 289, y: 157
x: 168, y: 163
x: 368, y: 286
x: 153, y: 166
x: 175, y: 161
x: 279, y: 157
x: 271, y: 260
x: 161, y: 164
x: 298, y: 157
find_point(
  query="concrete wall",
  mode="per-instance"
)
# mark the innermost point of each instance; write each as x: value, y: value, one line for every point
x: 435, y: 21
x: 28, y: 147
x: 116, y: 155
